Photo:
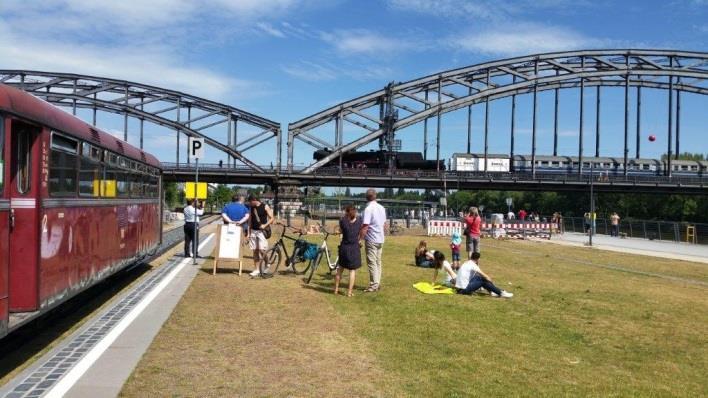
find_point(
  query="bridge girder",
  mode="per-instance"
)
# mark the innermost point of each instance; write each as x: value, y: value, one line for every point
x: 463, y: 87
x: 157, y: 105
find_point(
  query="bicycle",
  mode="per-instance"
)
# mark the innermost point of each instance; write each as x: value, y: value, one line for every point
x: 271, y: 261
x: 323, y: 252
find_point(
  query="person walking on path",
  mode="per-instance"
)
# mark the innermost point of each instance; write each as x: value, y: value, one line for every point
x: 470, y: 278
x: 473, y: 224
x: 261, y: 217
x: 372, y: 232
x: 349, y: 248
x: 191, y: 227
x: 615, y: 221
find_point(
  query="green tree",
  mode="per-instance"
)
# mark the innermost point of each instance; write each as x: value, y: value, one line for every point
x: 172, y: 197
x: 348, y: 192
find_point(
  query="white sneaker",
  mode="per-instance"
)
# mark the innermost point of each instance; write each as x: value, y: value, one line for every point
x: 255, y: 273
x: 506, y: 294
x: 494, y: 294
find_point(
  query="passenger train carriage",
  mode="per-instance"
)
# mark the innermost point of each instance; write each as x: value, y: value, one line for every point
x: 464, y: 162
x: 76, y: 205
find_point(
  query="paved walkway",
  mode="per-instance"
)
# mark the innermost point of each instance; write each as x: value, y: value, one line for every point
x: 655, y: 248
x: 98, y: 358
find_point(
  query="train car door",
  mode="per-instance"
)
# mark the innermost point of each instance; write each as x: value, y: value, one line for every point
x: 23, y: 192
x: 4, y: 237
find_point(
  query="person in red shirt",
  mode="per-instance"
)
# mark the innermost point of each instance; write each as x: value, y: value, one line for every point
x: 473, y: 225
x: 522, y: 214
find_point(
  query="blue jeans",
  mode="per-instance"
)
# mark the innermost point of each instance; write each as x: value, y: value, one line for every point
x: 475, y: 283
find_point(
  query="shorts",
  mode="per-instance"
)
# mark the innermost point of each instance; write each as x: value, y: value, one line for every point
x: 472, y: 244
x: 456, y: 256
x: 258, y: 241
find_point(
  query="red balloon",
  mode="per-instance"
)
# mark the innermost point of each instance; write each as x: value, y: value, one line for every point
x: 652, y: 138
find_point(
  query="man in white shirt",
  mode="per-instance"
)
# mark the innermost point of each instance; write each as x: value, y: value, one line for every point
x: 470, y: 278
x: 191, y: 227
x: 372, y: 232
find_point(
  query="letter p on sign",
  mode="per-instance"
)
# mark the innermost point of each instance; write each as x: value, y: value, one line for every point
x: 196, y: 148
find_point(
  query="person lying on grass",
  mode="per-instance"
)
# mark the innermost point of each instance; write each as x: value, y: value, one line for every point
x: 423, y: 256
x: 439, y: 263
x: 470, y: 278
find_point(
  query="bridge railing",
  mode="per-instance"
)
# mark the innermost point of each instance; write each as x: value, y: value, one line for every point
x: 571, y: 177
x: 672, y: 231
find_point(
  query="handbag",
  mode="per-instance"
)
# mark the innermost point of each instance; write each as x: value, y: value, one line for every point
x: 267, y: 231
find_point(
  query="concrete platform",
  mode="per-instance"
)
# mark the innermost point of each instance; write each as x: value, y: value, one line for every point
x: 654, y: 248
x: 98, y: 358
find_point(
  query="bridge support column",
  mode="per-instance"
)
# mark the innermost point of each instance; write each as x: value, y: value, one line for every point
x: 555, y: 120
x: 425, y: 129
x: 290, y: 150
x: 639, y: 119
x: 669, y: 132
x: 533, y: 128
x: 580, y: 131
x: 626, y: 115
x: 597, y: 123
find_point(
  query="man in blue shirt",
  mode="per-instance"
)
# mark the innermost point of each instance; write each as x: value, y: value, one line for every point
x: 236, y: 212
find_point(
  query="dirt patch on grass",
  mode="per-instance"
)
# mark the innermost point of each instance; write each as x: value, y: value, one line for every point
x: 237, y: 336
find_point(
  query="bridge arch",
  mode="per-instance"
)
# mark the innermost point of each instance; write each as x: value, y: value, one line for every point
x: 377, y: 112
x: 183, y: 113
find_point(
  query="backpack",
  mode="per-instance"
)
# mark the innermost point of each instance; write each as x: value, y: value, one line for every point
x: 311, y: 251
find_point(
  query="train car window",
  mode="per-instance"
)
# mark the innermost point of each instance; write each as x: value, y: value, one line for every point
x: 90, y: 177
x: 122, y: 186
x: 136, y: 185
x: 62, y: 166
x: 22, y: 156
x: 91, y: 152
x: 2, y: 152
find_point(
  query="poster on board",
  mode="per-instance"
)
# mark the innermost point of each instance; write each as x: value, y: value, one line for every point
x: 229, y: 245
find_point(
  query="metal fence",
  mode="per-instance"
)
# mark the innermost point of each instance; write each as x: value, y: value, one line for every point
x: 674, y: 231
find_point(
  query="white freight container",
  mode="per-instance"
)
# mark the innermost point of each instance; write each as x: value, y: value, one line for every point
x: 475, y: 162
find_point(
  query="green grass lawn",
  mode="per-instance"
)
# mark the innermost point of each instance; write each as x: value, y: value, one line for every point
x: 572, y: 329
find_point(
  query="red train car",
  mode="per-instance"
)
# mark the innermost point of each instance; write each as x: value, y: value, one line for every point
x: 76, y: 205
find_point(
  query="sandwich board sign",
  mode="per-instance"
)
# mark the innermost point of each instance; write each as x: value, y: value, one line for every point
x: 228, y: 246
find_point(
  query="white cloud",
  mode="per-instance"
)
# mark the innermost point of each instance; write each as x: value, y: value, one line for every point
x: 137, y: 40
x: 493, y: 10
x: 316, y: 72
x: 524, y: 39
x: 310, y: 71
x: 366, y: 42
x: 149, y: 65
x: 453, y: 8
x: 270, y: 30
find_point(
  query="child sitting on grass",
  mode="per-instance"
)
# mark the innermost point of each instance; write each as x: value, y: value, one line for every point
x: 439, y: 262
x: 423, y: 257
x: 470, y: 278
x: 455, y: 243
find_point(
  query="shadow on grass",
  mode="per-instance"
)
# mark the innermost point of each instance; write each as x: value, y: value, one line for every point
x: 31, y: 339
x: 318, y: 287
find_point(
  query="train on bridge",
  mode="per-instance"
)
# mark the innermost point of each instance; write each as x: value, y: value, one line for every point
x: 496, y: 163
x: 76, y: 206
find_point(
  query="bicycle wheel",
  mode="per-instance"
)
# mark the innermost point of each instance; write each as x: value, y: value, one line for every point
x: 299, y: 267
x: 314, y: 264
x: 271, y: 263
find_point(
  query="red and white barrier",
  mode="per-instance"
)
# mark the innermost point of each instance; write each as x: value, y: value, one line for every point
x: 447, y: 228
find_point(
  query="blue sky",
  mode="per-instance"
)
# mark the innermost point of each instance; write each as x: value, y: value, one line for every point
x: 287, y: 59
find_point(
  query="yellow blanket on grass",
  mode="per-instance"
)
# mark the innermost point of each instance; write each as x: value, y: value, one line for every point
x: 427, y: 288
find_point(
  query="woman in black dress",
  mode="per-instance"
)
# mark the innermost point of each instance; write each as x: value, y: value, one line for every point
x: 349, y: 249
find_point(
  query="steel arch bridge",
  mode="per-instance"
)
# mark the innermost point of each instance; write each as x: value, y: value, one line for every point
x: 377, y: 114
x: 183, y: 113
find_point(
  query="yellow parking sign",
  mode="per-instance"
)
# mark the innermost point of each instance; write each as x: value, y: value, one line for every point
x: 196, y: 190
